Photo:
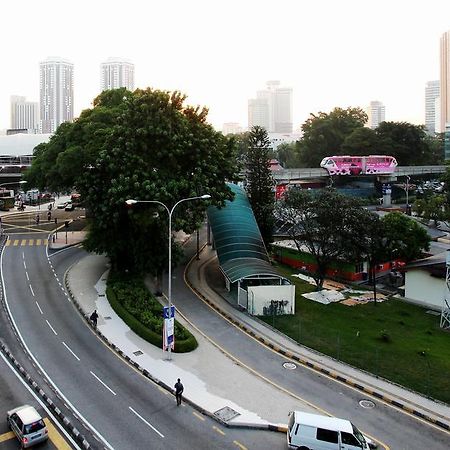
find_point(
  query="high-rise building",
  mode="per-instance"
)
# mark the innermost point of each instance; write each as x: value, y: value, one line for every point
x: 376, y: 113
x: 432, y: 92
x: 56, y: 93
x: 116, y: 73
x: 272, y: 109
x: 24, y: 115
x: 445, y: 80
x: 231, y: 128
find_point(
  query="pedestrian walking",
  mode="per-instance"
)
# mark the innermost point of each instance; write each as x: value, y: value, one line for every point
x: 49, y: 215
x: 94, y: 317
x: 179, y: 388
x: 38, y: 218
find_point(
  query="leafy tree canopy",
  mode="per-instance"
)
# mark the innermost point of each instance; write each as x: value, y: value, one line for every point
x: 145, y: 145
x: 324, y: 134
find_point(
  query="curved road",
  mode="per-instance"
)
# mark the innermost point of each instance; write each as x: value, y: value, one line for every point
x: 124, y: 409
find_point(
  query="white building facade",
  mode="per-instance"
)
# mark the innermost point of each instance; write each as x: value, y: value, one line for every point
x: 432, y: 92
x: 376, y: 113
x: 272, y: 109
x: 24, y: 115
x: 116, y: 73
x: 56, y: 93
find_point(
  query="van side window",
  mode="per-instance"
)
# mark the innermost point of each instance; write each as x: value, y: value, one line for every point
x: 349, y: 439
x: 327, y: 435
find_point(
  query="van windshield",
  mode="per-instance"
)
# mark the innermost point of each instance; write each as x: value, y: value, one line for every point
x: 291, y: 421
x: 358, y: 435
x: 33, y: 427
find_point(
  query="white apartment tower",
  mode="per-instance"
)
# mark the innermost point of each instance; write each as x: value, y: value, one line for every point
x: 272, y: 109
x: 56, y: 93
x: 24, y: 115
x: 432, y: 92
x: 445, y: 80
x: 116, y: 73
x: 376, y: 112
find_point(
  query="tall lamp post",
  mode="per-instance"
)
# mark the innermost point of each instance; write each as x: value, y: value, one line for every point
x: 169, y: 212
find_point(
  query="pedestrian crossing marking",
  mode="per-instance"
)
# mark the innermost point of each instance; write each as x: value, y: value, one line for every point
x: 25, y: 242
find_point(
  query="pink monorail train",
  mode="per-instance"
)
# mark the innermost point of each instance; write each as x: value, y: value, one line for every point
x: 359, y: 165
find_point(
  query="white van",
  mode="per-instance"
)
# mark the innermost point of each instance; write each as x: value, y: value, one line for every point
x: 314, y: 432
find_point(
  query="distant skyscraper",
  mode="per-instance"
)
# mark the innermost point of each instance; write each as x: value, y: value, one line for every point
x: 272, y: 109
x: 432, y: 92
x: 376, y: 113
x: 56, y: 93
x: 24, y: 115
x: 231, y: 128
x: 116, y: 73
x: 445, y: 80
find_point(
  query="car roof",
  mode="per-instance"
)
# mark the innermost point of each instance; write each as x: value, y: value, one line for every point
x: 27, y: 414
x: 329, y: 423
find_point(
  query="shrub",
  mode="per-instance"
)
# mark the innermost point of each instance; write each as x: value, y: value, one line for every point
x: 136, y: 306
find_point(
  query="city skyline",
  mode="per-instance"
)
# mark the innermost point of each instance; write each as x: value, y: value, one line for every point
x: 328, y: 53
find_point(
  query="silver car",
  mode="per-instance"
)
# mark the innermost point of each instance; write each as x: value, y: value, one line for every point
x: 27, y: 425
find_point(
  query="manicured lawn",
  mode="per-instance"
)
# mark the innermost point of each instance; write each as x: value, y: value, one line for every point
x: 392, y: 339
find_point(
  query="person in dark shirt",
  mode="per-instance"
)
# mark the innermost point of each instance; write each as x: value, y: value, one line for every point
x: 179, y: 388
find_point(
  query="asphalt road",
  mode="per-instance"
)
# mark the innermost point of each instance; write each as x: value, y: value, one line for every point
x: 123, y: 409
x: 15, y: 393
x: 396, y: 429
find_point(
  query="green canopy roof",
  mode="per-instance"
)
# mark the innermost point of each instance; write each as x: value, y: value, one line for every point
x: 237, y: 239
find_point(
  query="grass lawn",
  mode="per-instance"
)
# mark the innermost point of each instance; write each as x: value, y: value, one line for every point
x: 392, y: 339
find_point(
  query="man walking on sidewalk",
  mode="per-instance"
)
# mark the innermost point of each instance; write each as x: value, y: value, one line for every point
x: 179, y: 388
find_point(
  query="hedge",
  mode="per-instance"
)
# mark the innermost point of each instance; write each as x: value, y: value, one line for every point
x: 184, y: 344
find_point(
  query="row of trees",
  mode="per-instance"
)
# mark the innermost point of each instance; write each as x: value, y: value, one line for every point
x: 342, y: 132
x: 335, y: 227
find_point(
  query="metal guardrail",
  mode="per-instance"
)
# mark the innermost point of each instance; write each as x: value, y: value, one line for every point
x: 308, y: 173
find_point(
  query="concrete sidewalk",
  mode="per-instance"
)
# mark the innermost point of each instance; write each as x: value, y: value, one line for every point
x: 213, y: 382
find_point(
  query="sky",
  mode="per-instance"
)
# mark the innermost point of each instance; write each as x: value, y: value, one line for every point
x: 219, y: 53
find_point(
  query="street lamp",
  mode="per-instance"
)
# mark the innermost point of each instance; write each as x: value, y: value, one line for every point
x: 131, y: 202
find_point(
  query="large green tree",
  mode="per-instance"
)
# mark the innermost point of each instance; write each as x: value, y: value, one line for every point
x: 259, y: 181
x: 145, y: 145
x: 324, y: 134
x: 328, y: 224
x: 408, y: 143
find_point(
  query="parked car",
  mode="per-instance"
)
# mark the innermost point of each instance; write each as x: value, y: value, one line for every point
x: 28, y: 426
x: 62, y: 205
x: 70, y: 206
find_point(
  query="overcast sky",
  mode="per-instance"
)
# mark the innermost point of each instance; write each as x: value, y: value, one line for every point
x: 332, y: 53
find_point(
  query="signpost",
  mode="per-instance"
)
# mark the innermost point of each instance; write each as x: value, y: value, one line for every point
x: 169, y: 328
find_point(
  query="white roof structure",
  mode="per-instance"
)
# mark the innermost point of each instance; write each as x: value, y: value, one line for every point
x: 329, y: 423
x: 21, y: 144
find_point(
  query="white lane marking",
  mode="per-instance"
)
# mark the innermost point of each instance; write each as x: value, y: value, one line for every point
x: 26, y: 273
x: 22, y: 340
x: 24, y: 265
x: 37, y: 304
x: 31, y: 289
x: 56, y: 422
x: 147, y: 423
x: 106, y: 386
x: 51, y: 328
x: 57, y: 279
x: 70, y: 350
x: 23, y: 255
